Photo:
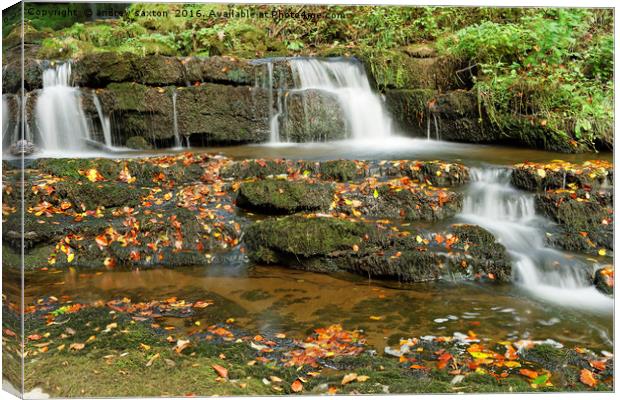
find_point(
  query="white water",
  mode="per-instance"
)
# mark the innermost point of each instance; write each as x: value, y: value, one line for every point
x: 175, y: 123
x: 364, y: 114
x: 61, y: 123
x: 105, y: 121
x: 510, y: 215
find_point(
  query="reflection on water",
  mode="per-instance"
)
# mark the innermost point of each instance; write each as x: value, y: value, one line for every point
x: 269, y: 300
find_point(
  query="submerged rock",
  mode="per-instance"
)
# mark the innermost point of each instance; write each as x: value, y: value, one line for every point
x: 325, y: 244
x: 271, y: 196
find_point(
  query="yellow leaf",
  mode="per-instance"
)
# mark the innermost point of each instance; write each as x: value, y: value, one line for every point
x: 478, y: 354
x: 375, y: 194
x: 512, y: 364
x: 419, y: 239
x: 376, y: 318
x: 602, y: 252
x: 348, y: 378
x: 541, y: 172
x: 71, y: 256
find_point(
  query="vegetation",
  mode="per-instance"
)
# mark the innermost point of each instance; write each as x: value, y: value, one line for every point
x: 555, y: 67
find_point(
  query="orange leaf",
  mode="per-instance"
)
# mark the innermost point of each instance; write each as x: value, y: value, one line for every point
x: 598, y: 364
x: 529, y: 373
x: 297, y: 386
x: 587, y: 378
x: 221, y: 371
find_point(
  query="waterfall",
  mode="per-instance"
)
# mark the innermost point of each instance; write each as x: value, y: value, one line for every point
x: 492, y: 203
x: 60, y: 119
x: 105, y: 121
x: 364, y: 113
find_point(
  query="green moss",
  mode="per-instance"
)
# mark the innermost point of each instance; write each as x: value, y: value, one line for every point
x: 281, y: 196
x: 303, y: 237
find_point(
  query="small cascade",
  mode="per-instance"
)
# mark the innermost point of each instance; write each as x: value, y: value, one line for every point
x: 364, y: 114
x: 60, y: 120
x: 175, y: 123
x: 105, y: 121
x: 492, y: 203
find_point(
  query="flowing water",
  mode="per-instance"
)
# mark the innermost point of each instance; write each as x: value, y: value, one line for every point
x: 551, y: 298
x: 491, y: 202
x: 60, y: 120
x: 363, y: 111
x: 105, y: 122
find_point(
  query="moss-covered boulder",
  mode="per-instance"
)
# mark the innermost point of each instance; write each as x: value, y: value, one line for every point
x: 436, y: 173
x: 91, y: 195
x: 562, y: 175
x: 97, y: 69
x: 284, y: 197
x: 312, y: 115
x: 276, y: 240
x: 585, y: 219
x: 326, y: 244
x: 159, y: 70
x: 398, y: 200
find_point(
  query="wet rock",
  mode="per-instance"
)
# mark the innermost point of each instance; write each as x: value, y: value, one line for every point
x: 409, y: 107
x: 562, y: 175
x: 102, y: 68
x: 220, y: 69
x: 224, y: 114
x: 284, y: 197
x: 604, y: 279
x: 398, y: 69
x: 138, y: 143
x: 159, y: 70
x: 92, y: 195
x: 398, y: 200
x: 312, y: 115
x: 436, y: 173
x: 324, y: 244
x: 585, y: 219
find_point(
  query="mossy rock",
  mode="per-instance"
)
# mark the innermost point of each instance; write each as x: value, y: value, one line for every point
x: 138, y: 143
x: 300, y: 236
x: 158, y: 70
x: 97, y: 69
x: 284, y: 197
x: 580, y: 210
x: 97, y: 194
x: 409, y: 107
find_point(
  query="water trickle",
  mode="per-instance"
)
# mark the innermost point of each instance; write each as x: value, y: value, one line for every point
x: 60, y: 120
x: 105, y: 121
x: 175, y: 123
x: 510, y: 215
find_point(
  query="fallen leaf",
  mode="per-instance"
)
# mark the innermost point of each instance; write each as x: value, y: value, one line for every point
x: 587, y: 378
x: 348, y: 378
x: 297, y: 386
x: 221, y: 371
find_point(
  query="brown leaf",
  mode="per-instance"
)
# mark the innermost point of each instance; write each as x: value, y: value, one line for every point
x: 76, y: 346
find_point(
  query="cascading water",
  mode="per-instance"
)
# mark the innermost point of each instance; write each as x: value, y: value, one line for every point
x: 60, y: 119
x: 105, y: 121
x: 510, y: 215
x: 363, y: 112
x: 175, y: 123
